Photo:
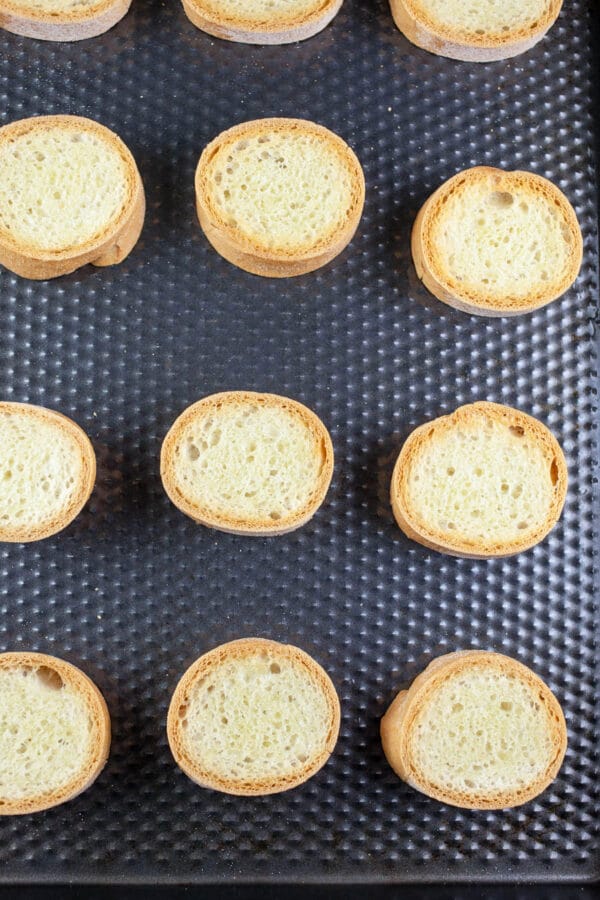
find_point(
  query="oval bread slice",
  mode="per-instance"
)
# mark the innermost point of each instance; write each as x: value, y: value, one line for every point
x: 497, y: 243
x: 61, y: 20
x: 47, y: 471
x: 279, y: 197
x: 54, y: 732
x: 247, y: 463
x: 477, y: 730
x: 253, y: 717
x: 476, y: 32
x: 262, y: 21
x: 70, y: 194
x: 487, y: 480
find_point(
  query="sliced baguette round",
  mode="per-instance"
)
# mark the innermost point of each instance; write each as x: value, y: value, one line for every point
x: 485, y: 481
x: 496, y: 243
x: 475, y: 32
x: 279, y: 197
x: 54, y: 734
x: 247, y: 463
x: 47, y: 471
x: 70, y: 194
x: 253, y: 717
x: 61, y: 20
x: 477, y: 730
x: 262, y: 21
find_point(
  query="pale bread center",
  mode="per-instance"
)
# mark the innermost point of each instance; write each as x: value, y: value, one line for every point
x: 482, y: 731
x: 46, y: 733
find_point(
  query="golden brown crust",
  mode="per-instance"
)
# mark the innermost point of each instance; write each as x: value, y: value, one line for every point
x: 397, y: 724
x: 459, y: 545
x: 87, y: 475
x: 237, y: 650
x: 258, y: 527
x: 424, y: 32
x: 19, y: 17
x: 99, y: 714
x: 247, y: 31
x: 108, y: 248
x: 235, y: 246
x: 440, y: 282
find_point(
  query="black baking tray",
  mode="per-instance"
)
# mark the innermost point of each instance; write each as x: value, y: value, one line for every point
x: 133, y: 591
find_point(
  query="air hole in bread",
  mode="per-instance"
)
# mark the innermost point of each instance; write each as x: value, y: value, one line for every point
x: 517, y: 430
x: 506, y: 705
x: 50, y: 678
x: 517, y: 491
x: 182, y: 711
x: 275, y: 515
x: 451, y: 470
x: 554, y: 472
x: 501, y: 199
x: 193, y: 452
x: 275, y: 668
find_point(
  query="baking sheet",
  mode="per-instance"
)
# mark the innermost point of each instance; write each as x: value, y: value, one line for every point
x: 133, y: 591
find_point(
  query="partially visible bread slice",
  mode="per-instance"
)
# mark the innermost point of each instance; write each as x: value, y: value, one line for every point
x: 486, y: 481
x: 279, y: 197
x: 476, y: 32
x: 477, y: 730
x: 47, y: 471
x: 497, y: 243
x: 70, y: 194
x: 54, y: 732
x: 262, y: 21
x: 247, y: 463
x: 61, y: 20
x: 253, y: 717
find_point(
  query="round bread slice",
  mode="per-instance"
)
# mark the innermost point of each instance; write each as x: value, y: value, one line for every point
x: 475, y: 32
x: 262, y: 21
x: 485, y: 481
x: 70, y: 194
x: 253, y: 717
x: 47, y: 471
x: 54, y: 732
x: 247, y: 463
x: 477, y: 730
x: 279, y: 197
x: 497, y: 243
x: 61, y: 20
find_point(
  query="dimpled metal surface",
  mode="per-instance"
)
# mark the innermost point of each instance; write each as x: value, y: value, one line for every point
x: 133, y: 591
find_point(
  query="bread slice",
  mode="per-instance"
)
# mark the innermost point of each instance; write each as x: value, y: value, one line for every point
x: 70, y: 194
x: 486, y: 481
x: 279, y: 197
x: 475, y: 32
x: 477, y: 730
x: 262, y: 21
x: 247, y: 463
x: 497, y: 243
x: 253, y: 717
x: 47, y: 471
x: 61, y: 20
x: 54, y: 734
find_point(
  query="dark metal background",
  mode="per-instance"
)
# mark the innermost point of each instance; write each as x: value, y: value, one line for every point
x: 133, y: 591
